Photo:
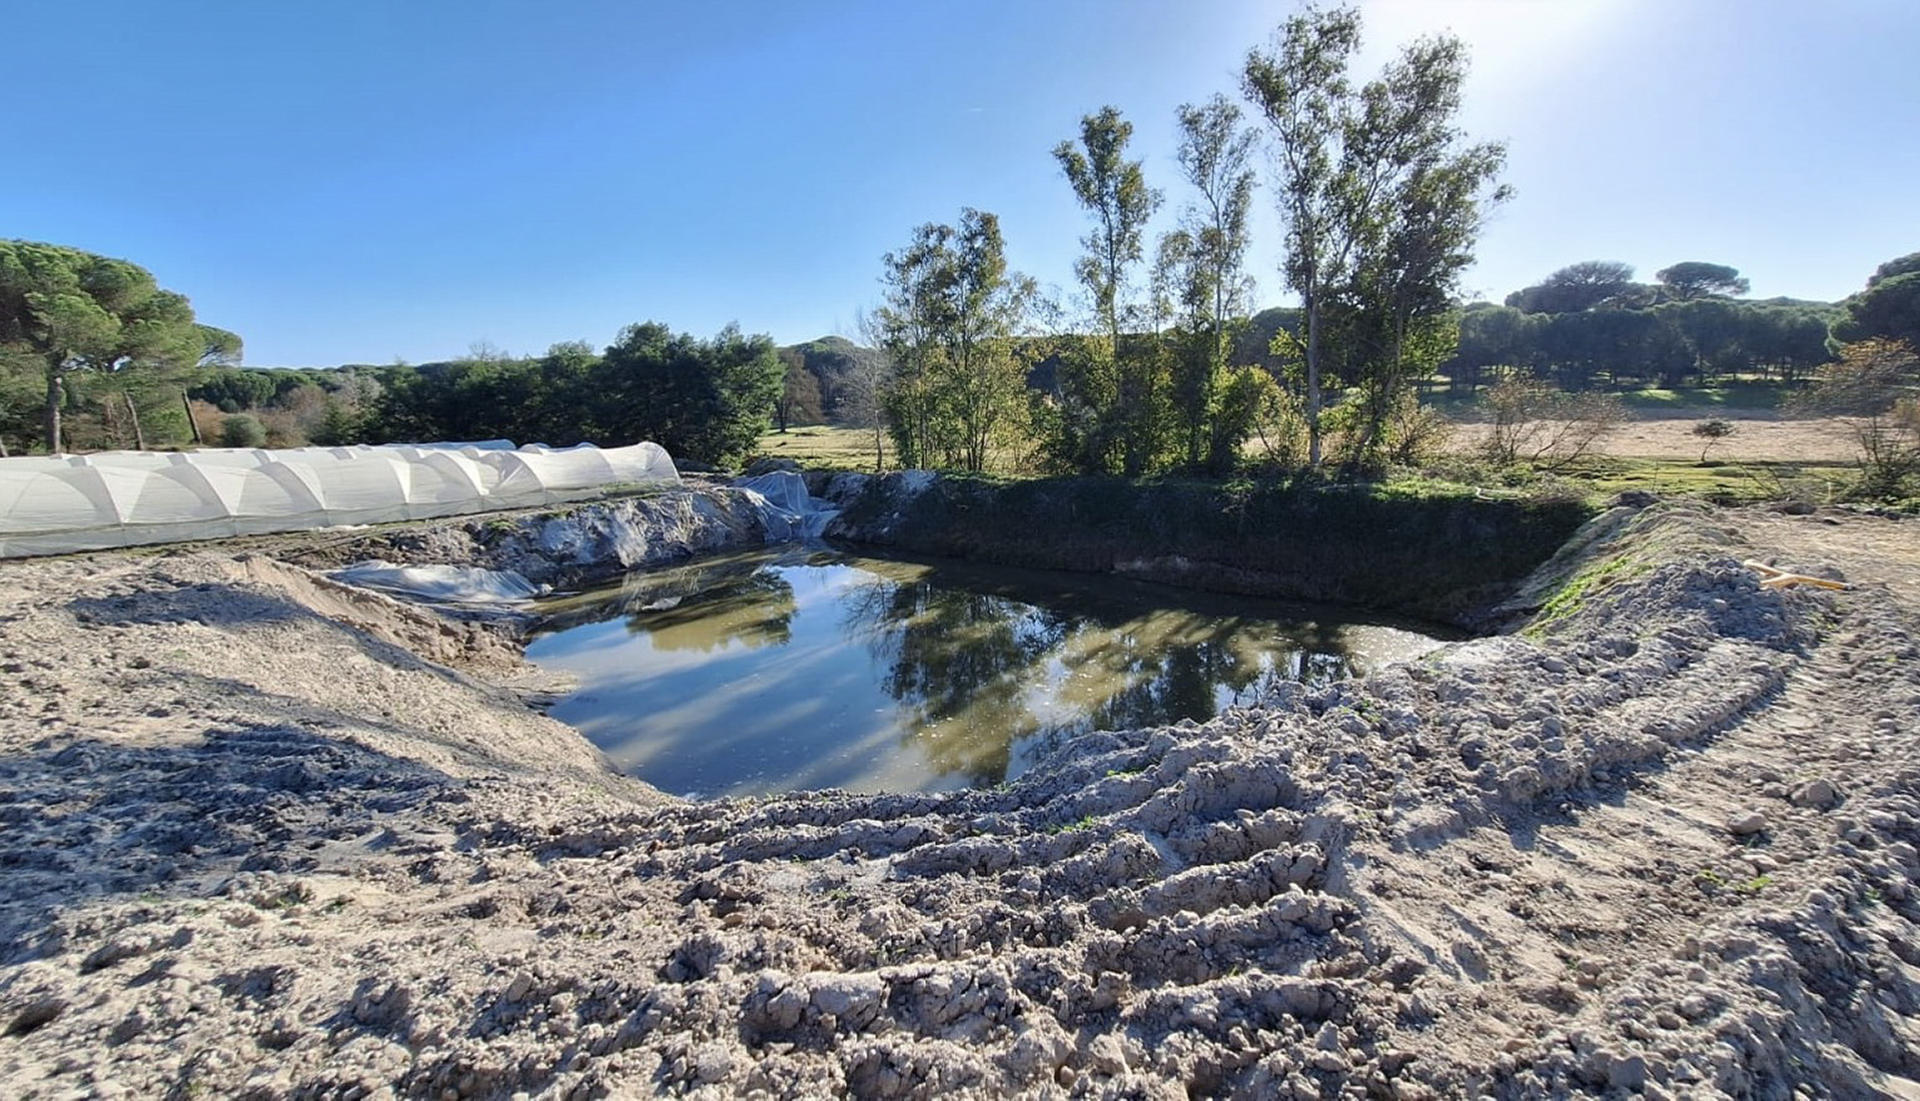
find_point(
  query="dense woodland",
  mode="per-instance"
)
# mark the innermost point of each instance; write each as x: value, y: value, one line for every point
x: 1159, y: 362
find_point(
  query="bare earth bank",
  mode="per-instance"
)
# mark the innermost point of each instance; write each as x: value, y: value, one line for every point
x: 265, y: 836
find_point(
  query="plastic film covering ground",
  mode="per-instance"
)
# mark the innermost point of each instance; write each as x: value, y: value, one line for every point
x: 63, y: 503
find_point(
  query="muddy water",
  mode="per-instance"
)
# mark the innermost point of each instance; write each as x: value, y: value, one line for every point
x: 774, y: 672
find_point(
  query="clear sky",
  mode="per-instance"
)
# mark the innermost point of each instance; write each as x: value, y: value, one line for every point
x: 359, y: 180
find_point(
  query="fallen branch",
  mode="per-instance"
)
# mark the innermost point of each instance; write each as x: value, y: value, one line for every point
x: 1771, y: 578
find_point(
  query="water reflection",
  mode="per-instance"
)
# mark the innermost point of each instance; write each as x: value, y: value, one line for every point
x: 701, y: 606
x: 763, y: 672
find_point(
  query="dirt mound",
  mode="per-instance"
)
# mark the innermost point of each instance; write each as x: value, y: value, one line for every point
x: 1663, y: 843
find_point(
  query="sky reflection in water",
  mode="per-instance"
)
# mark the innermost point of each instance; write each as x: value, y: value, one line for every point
x: 775, y: 672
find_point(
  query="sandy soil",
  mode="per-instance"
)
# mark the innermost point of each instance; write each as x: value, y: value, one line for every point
x: 1757, y: 435
x: 256, y: 845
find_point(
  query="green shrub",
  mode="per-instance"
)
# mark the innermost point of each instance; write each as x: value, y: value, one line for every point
x: 242, y: 430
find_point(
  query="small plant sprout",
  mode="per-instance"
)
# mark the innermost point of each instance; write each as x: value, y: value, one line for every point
x: 1711, y: 433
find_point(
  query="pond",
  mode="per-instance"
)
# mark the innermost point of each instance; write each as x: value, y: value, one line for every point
x: 811, y: 669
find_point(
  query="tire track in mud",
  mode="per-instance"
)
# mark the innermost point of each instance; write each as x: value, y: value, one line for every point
x: 1657, y: 905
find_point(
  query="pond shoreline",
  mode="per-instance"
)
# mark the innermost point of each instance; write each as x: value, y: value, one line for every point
x: 711, y: 677
x: 1454, y: 559
x: 1450, y: 559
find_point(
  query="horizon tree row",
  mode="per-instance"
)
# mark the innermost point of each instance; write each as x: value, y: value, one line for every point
x: 707, y: 401
x: 1005, y: 397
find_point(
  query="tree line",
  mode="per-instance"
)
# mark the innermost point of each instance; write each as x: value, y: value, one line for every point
x: 1382, y: 198
x: 1643, y: 341
x: 707, y: 401
x: 94, y: 353
x: 946, y: 393
x: 949, y: 393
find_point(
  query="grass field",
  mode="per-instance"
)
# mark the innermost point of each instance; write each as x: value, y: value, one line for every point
x: 1725, y: 482
x: 1767, y: 457
x: 1733, y: 398
x: 827, y: 447
x: 824, y: 447
x: 1753, y: 396
x: 1757, y: 437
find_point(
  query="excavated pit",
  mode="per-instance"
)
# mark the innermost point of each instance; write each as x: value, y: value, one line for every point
x: 270, y: 836
x: 798, y: 668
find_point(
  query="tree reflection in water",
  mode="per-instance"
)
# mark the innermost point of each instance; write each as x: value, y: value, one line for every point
x: 823, y: 669
x: 699, y: 606
x: 980, y: 674
x: 958, y: 661
x: 757, y: 610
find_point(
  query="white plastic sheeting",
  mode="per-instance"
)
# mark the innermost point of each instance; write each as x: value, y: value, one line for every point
x: 789, y: 510
x: 445, y: 584
x: 59, y: 503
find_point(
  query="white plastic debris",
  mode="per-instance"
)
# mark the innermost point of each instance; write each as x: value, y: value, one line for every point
x: 442, y: 584
x: 789, y: 510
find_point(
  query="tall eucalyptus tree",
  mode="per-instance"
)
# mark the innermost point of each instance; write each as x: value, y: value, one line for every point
x: 1216, y: 155
x: 1372, y: 180
x: 1112, y: 384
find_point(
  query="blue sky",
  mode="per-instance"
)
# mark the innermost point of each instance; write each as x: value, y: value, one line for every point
x: 362, y: 180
